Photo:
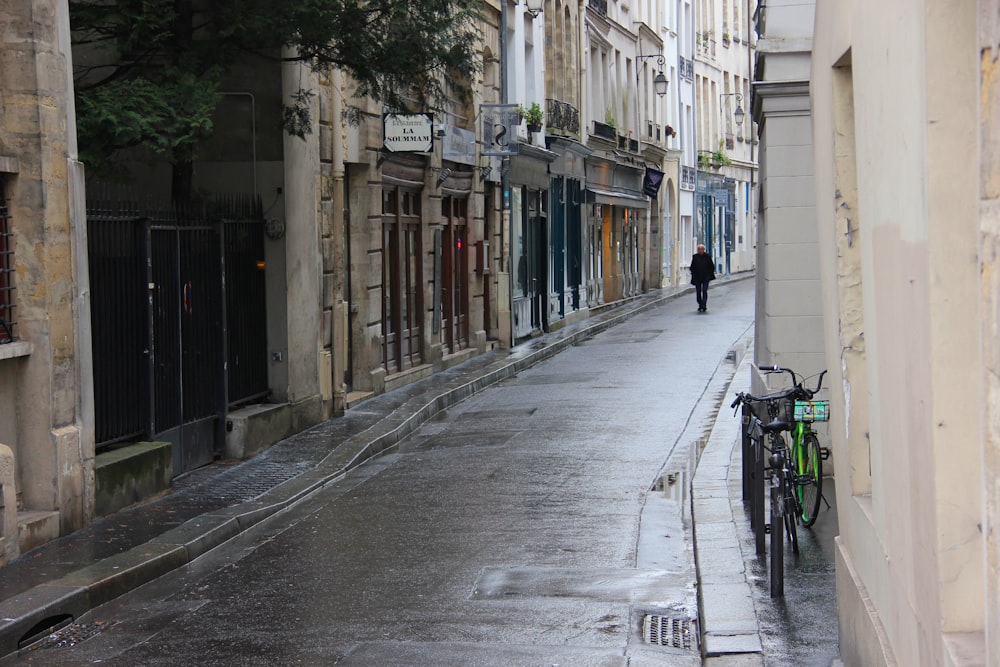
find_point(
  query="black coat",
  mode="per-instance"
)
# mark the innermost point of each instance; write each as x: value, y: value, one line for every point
x: 702, y: 268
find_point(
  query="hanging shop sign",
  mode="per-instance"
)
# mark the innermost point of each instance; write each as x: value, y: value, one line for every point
x: 458, y: 145
x: 499, y: 121
x: 651, y: 182
x: 408, y: 132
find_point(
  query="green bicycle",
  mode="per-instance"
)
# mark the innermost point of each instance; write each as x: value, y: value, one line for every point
x: 805, y: 451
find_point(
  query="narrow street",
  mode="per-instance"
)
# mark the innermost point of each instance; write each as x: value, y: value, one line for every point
x: 505, y: 531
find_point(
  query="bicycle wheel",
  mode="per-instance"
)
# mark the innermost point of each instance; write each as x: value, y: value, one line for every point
x: 792, y: 510
x: 809, y: 482
x: 777, y: 534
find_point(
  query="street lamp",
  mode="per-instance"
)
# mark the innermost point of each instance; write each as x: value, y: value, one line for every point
x: 660, y: 82
x: 739, y: 114
x: 534, y: 7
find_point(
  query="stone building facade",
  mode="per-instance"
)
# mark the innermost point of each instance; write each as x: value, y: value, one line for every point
x: 46, y: 409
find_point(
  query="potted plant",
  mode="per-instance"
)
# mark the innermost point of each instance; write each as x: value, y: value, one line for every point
x: 609, y: 119
x: 719, y: 157
x: 533, y: 116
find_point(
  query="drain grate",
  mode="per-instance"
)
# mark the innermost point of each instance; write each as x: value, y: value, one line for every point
x: 671, y: 631
x: 70, y: 636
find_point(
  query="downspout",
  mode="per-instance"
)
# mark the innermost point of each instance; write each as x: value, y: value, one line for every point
x: 751, y: 196
x: 507, y: 229
x: 341, y: 334
x: 696, y: 204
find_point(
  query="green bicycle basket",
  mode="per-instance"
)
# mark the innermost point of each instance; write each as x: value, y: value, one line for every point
x: 812, y: 411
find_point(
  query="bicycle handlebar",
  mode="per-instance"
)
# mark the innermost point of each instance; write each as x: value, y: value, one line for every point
x: 796, y: 382
x: 743, y: 396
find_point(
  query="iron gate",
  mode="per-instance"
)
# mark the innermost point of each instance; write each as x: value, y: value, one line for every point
x: 178, y: 321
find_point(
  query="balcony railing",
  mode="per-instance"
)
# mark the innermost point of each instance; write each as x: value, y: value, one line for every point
x: 688, y: 176
x: 600, y: 6
x: 562, y: 117
x: 687, y: 69
x: 605, y: 131
x: 6, y: 276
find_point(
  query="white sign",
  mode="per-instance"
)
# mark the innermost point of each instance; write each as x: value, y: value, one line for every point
x: 458, y: 145
x: 499, y: 121
x: 408, y: 133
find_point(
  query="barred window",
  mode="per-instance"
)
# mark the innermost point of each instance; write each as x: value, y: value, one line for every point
x: 6, y: 276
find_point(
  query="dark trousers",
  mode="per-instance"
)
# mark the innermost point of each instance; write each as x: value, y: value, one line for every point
x: 701, y: 291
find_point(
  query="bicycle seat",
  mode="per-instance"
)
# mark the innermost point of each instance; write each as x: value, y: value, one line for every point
x: 776, y: 426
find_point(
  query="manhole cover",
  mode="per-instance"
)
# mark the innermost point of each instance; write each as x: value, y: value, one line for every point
x: 671, y: 631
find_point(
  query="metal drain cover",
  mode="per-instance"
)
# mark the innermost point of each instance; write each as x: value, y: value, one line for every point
x: 70, y: 636
x: 672, y: 631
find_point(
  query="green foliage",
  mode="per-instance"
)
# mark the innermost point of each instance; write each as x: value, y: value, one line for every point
x: 719, y: 157
x: 714, y: 159
x: 148, y: 72
x: 533, y: 115
x: 169, y: 118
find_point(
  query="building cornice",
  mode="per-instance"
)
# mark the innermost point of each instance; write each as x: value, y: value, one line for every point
x: 790, y: 45
x: 780, y: 97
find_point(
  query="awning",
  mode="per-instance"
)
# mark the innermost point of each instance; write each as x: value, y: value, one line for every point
x: 595, y: 196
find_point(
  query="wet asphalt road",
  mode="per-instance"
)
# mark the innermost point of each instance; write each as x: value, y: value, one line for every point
x: 506, y: 531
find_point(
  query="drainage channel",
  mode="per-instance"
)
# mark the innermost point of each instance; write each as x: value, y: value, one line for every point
x: 43, y: 636
x: 672, y: 631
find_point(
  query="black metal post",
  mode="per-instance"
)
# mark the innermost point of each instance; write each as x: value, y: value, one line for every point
x: 758, y: 497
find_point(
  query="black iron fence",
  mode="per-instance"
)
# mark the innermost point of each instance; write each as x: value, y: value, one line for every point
x: 246, y: 315
x: 177, y: 312
x: 6, y: 276
x: 117, y: 249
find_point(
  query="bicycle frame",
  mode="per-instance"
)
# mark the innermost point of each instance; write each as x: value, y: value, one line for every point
x: 799, y: 432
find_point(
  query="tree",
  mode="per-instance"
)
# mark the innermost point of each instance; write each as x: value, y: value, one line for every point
x: 148, y: 72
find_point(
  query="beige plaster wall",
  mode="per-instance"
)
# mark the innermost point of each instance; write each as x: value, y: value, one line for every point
x: 790, y: 318
x: 895, y: 125
x: 989, y: 181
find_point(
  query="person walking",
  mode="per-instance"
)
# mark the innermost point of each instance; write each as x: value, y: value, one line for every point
x: 702, y: 271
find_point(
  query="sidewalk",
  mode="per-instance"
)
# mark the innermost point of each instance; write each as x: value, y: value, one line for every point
x: 730, y: 632
x: 51, y: 586
x: 741, y: 625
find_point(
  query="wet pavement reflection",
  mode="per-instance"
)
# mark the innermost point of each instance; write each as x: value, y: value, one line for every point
x: 801, y: 628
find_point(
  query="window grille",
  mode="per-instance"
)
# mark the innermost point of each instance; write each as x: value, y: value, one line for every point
x: 6, y: 276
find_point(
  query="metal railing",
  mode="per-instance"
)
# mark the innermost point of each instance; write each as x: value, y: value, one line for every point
x: 605, y: 131
x: 688, y: 177
x: 177, y: 312
x: 6, y: 276
x: 687, y: 69
x: 562, y: 116
x: 599, y: 6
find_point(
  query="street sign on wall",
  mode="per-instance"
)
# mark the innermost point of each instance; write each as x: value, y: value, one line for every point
x: 408, y: 133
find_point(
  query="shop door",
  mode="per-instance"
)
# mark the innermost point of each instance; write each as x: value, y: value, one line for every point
x: 454, y: 274
x: 574, y: 242
x: 558, y: 256
x: 402, y: 295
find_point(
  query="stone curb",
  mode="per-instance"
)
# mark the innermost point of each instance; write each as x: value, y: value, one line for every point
x: 729, y: 627
x: 44, y: 608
